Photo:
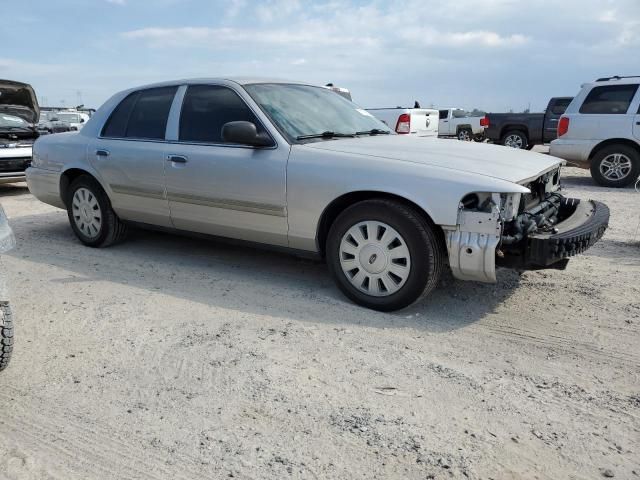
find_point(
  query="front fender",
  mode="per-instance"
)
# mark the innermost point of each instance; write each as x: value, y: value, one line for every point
x: 316, y: 178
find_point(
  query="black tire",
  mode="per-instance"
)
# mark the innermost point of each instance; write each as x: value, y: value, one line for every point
x: 425, y: 247
x: 112, y: 229
x: 465, y: 135
x: 512, y: 136
x: 625, y: 150
x: 6, y: 335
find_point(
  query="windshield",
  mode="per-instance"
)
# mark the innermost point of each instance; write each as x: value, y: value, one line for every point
x: 68, y: 117
x: 299, y: 110
x: 11, y: 121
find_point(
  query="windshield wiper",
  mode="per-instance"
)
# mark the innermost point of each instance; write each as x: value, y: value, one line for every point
x: 327, y: 134
x: 374, y: 131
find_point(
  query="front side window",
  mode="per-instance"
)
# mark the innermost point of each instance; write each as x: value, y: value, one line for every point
x: 610, y: 99
x: 460, y: 114
x: 206, y: 108
x: 301, y: 110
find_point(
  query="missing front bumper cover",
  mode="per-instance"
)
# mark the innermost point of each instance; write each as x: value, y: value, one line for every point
x: 478, y: 243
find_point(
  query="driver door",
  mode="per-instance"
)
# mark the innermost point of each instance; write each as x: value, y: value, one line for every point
x: 217, y: 188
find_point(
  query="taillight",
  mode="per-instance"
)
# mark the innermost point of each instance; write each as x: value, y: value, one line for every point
x: 484, y: 121
x: 563, y: 126
x: 404, y: 123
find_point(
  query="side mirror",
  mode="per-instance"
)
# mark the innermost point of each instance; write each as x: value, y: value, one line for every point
x: 244, y: 133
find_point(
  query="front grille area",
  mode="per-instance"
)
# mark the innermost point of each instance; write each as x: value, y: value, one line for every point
x: 13, y: 164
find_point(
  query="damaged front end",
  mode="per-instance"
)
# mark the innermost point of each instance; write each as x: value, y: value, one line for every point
x: 536, y: 230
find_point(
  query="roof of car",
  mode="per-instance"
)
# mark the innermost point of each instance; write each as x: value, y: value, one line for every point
x: 621, y: 80
x: 238, y: 80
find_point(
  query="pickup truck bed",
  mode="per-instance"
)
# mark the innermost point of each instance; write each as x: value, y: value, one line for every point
x: 524, y: 130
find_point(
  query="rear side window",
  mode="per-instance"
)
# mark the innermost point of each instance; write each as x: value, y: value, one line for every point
x: 444, y: 114
x: 116, y: 126
x: 148, y: 119
x: 560, y: 106
x: 206, y: 108
x: 142, y: 114
x: 611, y: 99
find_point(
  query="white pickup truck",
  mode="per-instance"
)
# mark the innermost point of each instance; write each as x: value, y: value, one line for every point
x: 456, y: 122
x: 422, y: 122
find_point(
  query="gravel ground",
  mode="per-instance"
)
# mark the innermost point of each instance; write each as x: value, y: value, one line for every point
x: 174, y: 358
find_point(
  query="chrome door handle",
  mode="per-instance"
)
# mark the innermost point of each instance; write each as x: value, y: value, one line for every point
x: 102, y: 153
x: 177, y: 158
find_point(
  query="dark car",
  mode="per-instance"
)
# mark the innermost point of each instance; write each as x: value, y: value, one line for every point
x: 524, y: 130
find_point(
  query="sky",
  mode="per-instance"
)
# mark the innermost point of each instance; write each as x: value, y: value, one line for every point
x: 494, y: 55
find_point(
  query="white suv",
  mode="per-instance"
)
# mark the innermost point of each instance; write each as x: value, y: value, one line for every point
x: 600, y: 130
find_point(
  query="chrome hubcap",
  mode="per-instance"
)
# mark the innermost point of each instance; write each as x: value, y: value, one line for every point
x: 615, y: 166
x: 375, y: 258
x: 86, y: 212
x: 513, y: 141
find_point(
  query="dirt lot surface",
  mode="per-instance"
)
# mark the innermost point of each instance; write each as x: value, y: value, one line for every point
x: 174, y: 358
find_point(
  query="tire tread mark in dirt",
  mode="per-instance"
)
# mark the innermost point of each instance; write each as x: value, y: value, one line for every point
x: 97, y: 442
x: 556, y: 341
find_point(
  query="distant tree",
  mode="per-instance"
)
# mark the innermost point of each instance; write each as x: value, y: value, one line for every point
x: 476, y: 112
x: 526, y: 110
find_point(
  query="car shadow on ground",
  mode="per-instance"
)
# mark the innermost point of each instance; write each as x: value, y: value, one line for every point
x: 13, y: 189
x: 242, y: 278
x: 587, y: 184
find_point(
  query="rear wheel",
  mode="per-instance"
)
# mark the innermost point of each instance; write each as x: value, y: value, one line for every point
x: 6, y: 335
x: 90, y: 214
x: 465, y: 135
x: 515, y: 139
x: 615, y: 166
x: 384, y: 255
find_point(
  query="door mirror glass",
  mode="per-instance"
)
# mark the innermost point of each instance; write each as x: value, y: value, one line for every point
x: 244, y: 133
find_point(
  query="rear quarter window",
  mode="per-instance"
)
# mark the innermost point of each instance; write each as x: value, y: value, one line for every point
x: 610, y: 99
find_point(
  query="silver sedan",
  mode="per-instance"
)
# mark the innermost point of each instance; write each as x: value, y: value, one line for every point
x: 296, y: 166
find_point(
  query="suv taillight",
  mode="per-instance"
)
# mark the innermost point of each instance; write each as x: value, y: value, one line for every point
x: 563, y: 126
x: 404, y: 123
x: 484, y: 121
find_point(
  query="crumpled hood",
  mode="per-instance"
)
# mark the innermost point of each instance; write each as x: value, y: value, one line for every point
x: 480, y: 158
x: 19, y: 99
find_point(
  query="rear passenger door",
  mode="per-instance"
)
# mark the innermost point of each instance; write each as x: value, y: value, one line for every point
x: 230, y: 190
x: 130, y: 156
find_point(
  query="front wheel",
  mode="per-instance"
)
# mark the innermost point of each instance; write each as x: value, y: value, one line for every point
x: 6, y: 334
x: 384, y: 255
x: 90, y: 214
x: 615, y: 166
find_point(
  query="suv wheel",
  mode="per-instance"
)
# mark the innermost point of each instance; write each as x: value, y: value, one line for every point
x: 90, y: 214
x: 515, y: 139
x: 615, y: 166
x: 384, y: 255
